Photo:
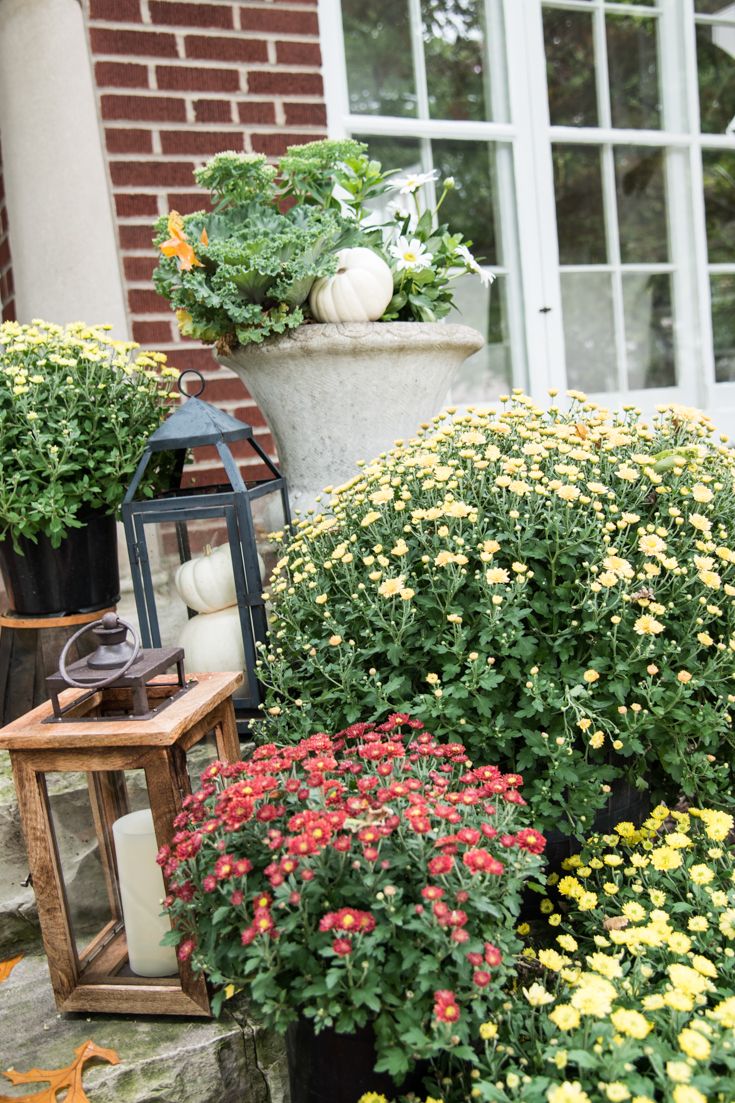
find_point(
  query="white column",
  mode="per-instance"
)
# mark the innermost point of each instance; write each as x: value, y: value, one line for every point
x: 62, y: 233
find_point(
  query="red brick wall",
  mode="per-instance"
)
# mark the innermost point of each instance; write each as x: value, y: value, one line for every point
x: 7, y: 294
x: 177, y: 81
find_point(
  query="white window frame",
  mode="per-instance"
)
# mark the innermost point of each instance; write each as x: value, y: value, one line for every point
x: 525, y: 169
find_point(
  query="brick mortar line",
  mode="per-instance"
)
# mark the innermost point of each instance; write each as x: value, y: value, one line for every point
x: 209, y: 63
x: 247, y: 35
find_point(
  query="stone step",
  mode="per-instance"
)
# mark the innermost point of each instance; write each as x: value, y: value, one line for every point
x: 162, y: 1059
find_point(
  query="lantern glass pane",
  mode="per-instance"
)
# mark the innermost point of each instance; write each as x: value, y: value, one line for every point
x: 198, y: 757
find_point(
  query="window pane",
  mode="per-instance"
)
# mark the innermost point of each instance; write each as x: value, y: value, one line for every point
x: 454, y: 47
x: 487, y: 374
x: 580, y: 219
x: 633, y: 65
x: 719, y: 204
x: 713, y: 7
x: 393, y: 153
x: 589, y: 333
x: 649, y: 330
x: 379, y: 59
x: 469, y: 207
x: 723, y: 326
x: 716, y: 72
x: 570, y: 68
x: 641, y: 196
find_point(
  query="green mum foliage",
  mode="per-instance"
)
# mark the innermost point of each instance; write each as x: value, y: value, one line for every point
x: 556, y: 589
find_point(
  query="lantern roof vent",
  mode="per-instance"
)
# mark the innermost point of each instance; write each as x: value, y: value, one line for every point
x: 195, y: 424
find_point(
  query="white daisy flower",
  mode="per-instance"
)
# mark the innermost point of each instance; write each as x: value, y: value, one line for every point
x: 486, y: 277
x: 411, y: 254
x: 411, y: 184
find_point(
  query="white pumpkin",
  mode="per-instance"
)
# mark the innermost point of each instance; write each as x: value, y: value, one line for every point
x: 207, y: 583
x: 359, y: 292
x: 212, y: 643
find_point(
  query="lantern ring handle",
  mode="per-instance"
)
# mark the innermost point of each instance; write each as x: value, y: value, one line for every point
x: 190, y: 371
x: 105, y: 681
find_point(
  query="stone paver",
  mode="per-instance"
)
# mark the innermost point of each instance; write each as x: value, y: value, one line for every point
x: 163, y: 1060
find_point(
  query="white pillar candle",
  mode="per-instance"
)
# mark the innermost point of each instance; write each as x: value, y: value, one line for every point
x: 141, y: 893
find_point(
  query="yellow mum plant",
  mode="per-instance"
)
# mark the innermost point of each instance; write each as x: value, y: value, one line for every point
x: 558, y: 587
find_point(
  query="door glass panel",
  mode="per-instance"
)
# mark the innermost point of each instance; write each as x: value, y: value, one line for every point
x: 723, y: 326
x: 719, y: 204
x: 379, y: 57
x: 469, y: 207
x: 454, y: 48
x: 632, y: 60
x: 486, y: 374
x: 589, y: 332
x: 641, y: 199
x: 639, y: 3
x: 649, y: 330
x: 714, y: 7
x: 580, y: 217
x: 716, y: 75
x: 570, y: 68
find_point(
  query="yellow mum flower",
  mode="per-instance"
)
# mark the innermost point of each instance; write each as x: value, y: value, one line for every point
x: 488, y: 1031
x: 711, y: 579
x: 587, y: 901
x: 653, y: 1003
x: 590, y: 676
x: 725, y: 1012
x: 568, y: 1092
x: 335, y: 641
x: 537, y: 995
x: 701, y: 523
x: 567, y: 942
x: 678, y: 840
x: 679, y: 943
x: 701, y: 874
x: 679, y: 1071
x: 665, y: 858
x: 597, y: 740
x: 320, y: 599
x: 704, y: 966
x: 552, y: 960
x: 631, y: 1023
x: 698, y: 923
x: 565, y: 1017
x: 497, y: 576
x: 702, y: 493
x: 392, y: 586
x: 705, y: 639
x: 648, y: 626
x: 570, y: 886
x: 594, y: 999
x: 688, y: 980
x: 687, y: 1093
x: 634, y: 911
x: 727, y: 923
x: 718, y: 825
x: 651, y: 545
x: 607, y: 966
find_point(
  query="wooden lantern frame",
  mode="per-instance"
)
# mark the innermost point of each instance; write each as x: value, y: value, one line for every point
x: 88, y: 981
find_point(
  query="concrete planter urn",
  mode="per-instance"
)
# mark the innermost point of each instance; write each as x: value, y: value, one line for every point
x: 335, y: 394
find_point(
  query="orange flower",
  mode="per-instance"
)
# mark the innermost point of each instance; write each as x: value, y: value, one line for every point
x: 684, y: 676
x: 178, y: 246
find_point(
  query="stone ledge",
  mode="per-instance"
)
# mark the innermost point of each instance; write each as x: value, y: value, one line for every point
x: 163, y: 1059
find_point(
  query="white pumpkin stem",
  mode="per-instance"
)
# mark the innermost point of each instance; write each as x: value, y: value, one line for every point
x: 207, y: 549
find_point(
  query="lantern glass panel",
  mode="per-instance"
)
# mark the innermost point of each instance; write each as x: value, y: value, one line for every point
x: 198, y: 757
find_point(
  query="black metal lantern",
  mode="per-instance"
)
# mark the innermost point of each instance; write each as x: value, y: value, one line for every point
x: 193, y: 425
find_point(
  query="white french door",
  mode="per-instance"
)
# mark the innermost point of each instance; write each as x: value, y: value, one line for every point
x: 593, y: 146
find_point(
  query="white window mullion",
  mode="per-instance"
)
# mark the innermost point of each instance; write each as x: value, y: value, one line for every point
x: 428, y: 194
x: 612, y: 233
x: 334, y: 74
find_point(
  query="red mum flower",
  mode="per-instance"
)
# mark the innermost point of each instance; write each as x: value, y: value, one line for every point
x: 163, y: 855
x: 446, y: 1007
x: 328, y: 922
x: 432, y: 892
x: 420, y: 825
x: 440, y: 910
x: 186, y: 949
x: 443, y: 863
x: 295, y: 898
x: 481, y: 978
x: 488, y: 830
x: 342, y: 946
x: 513, y: 797
x: 507, y: 841
x: 263, y: 899
x: 307, y: 874
x: 237, y: 897
x: 370, y: 854
x: 209, y: 884
x: 530, y: 840
x: 248, y: 935
x: 459, y: 934
x: 276, y: 879
x: 493, y: 955
x: 303, y: 844
x: 480, y: 861
x: 242, y: 867
x: 475, y: 959
x: 224, y: 867
x: 462, y: 897
x: 457, y: 918
x: 369, y: 835
x: 289, y: 864
x: 342, y: 843
x: 263, y: 921
x: 469, y: 835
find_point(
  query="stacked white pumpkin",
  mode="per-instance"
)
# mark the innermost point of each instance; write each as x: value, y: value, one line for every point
x: 212, y: 640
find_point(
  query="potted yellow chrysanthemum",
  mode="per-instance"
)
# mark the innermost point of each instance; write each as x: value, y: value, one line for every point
x: 75, y: 412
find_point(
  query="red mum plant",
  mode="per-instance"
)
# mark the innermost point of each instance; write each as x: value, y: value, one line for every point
x: 328, y: 885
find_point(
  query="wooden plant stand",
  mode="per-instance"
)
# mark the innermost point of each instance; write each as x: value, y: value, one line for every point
x: 91, y: 980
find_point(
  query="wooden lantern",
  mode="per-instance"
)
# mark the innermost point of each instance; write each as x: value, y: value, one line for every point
x: 90, y: 739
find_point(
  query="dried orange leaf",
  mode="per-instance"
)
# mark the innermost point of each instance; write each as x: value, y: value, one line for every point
x: 581, y: 430
x: 6, y: 967
x: 60, y: 1079
x: 617, y: 923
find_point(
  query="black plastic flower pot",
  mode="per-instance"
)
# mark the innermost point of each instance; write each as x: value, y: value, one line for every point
x: 80, y: 576
x: 338, y: 1068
